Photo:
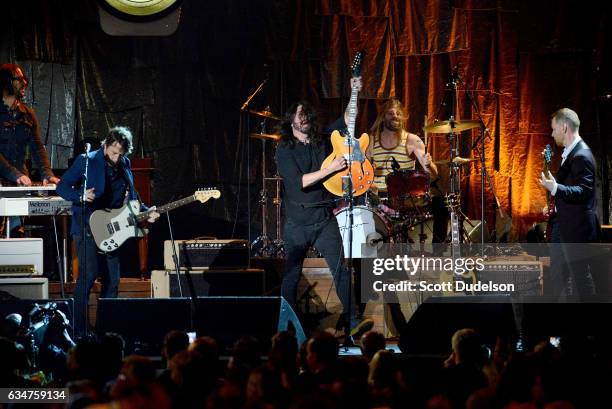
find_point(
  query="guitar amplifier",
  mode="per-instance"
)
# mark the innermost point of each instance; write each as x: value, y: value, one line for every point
x: 207, y: 254
x: 21, y: 253
x: 525, y: 275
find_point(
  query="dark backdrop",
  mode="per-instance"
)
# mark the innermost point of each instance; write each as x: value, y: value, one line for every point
x: 181, y: 94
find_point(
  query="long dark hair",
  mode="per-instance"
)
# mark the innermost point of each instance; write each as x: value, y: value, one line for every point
x: 286, y: 132
x: 7, y: 71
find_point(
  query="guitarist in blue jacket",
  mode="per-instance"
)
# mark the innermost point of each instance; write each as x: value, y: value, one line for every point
x: 109, y: 184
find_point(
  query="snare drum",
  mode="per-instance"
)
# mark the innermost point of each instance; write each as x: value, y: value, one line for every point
x: 408, y: 190
x: 370, y: 227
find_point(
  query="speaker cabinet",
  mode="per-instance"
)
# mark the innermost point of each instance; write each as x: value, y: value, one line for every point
x: 26, y: 287
x: 207, y: 283
x: 143, y: 322
x: 432, y: 325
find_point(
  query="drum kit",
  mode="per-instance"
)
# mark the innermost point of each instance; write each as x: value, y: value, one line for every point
x: 376, y: 220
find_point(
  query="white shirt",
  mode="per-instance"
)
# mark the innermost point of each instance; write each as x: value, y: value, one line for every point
x: 566, y: 151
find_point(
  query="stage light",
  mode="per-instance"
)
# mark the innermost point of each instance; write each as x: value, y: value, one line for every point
x: 139, y: 17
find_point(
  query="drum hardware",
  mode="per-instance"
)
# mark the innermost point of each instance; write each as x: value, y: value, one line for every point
x: 408, y: 191
x: 263, y: 246
x: 369, y: 226
x: 505, y: 220
x: 446, y: 127
x: 264, y: 114
x: 458, y: 160
x: 265, y: 136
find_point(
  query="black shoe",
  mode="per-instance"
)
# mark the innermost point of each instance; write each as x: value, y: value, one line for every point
x: 361, y: 328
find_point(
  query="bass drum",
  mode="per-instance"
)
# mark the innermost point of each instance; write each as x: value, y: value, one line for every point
x: 408, y: 191
x: 370, y: 229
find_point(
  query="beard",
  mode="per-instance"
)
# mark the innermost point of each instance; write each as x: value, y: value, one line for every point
x: 302, y: 127
x: 393, y: 125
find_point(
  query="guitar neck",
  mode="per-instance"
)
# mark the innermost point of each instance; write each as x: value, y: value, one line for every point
x: 352, y: 111
x: 167, y: 207
x: 546, y: 170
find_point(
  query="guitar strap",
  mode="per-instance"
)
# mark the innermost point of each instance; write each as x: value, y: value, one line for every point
x: 130, y: 182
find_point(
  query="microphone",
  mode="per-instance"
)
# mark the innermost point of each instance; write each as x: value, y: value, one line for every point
x: 454, y: 77
x: 455, y: 74
x: 395, y: 165
x: 87, y: 147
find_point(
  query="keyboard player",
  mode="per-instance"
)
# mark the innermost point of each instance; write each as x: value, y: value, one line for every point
x: 19, y: 131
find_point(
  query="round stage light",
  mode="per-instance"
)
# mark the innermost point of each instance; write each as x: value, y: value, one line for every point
x: 139, y: 10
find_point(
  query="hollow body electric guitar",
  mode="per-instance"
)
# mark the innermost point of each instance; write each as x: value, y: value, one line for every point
x: 110, y: 228
x: 550, y: 200
x: 360, y: 174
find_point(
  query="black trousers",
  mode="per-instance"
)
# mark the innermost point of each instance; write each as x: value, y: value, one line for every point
x: 570, y: 273
x: 325, y: 236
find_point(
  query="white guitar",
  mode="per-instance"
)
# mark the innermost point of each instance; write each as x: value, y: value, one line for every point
x: 110, y: 228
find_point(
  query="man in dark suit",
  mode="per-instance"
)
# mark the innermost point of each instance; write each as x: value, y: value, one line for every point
x: 573, y: 189
x: 109, y: 183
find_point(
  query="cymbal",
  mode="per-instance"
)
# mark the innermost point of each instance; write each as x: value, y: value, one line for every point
x: 265, y: 114
x: 265, y: 136
x: 444, y: 126
x: 458, y: 160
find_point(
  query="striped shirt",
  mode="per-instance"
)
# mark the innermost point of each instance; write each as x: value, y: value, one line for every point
x: 383, y: 162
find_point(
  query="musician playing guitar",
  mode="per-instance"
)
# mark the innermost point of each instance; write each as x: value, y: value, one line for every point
x: 573, y: 189
x: 299, y: 158
x: 109, y: 183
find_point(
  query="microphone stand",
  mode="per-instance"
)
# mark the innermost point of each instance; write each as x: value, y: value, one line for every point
x: 483, y: 170
x: 348, y: 195
x: 83, y: 268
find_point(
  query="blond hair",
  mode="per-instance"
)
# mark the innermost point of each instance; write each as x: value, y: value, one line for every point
x: 391, y: 103
x: 568, y: 117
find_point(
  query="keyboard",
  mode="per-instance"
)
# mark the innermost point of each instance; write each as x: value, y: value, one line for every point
x: 34, y: 206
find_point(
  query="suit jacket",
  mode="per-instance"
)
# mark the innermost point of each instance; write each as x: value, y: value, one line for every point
x: 70, y: 186
x: 575, y: 197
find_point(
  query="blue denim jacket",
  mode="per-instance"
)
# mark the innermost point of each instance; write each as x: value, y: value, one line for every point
x: 19, y: 130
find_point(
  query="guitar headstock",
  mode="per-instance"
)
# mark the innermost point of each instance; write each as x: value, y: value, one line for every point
x: 202, y: 195
x: 356, y: 65
x: 548, y: 154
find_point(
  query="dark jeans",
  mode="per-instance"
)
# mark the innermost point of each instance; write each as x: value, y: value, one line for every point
x: 92, y: 262
x: 325, y: 236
